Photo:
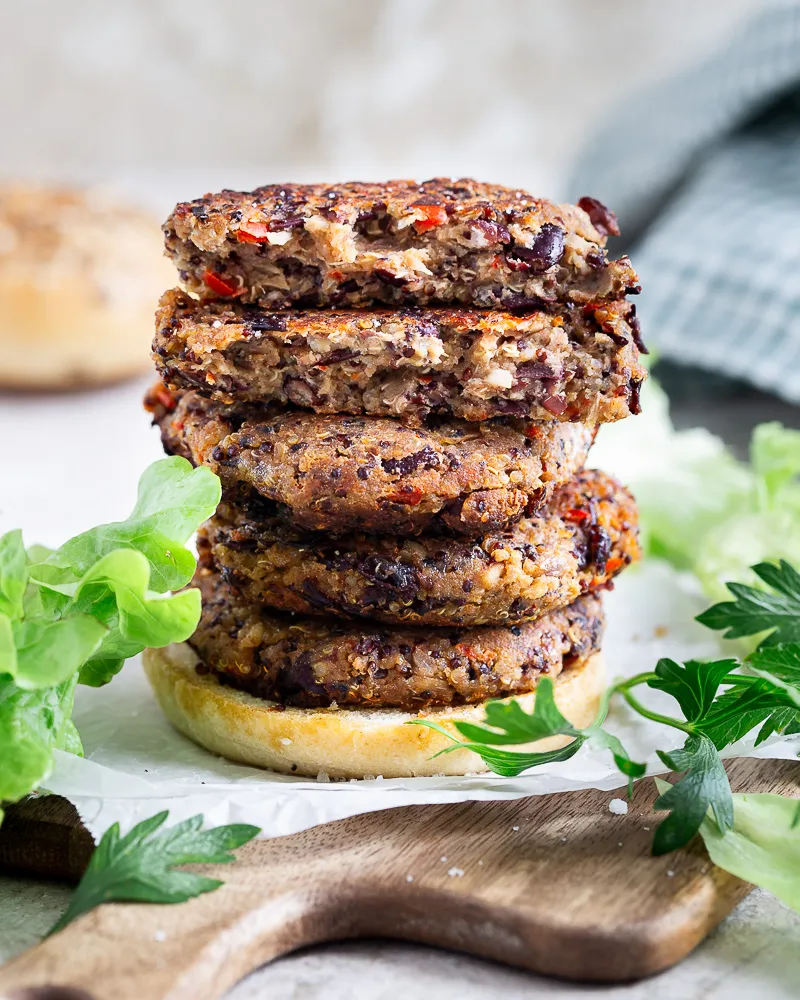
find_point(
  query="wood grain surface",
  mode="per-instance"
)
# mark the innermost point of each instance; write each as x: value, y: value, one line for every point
x: 556, y: 884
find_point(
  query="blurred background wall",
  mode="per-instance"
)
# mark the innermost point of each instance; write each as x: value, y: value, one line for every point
x: 170, y: 98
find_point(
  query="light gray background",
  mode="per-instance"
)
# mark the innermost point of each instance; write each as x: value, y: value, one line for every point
x: 171, y: 99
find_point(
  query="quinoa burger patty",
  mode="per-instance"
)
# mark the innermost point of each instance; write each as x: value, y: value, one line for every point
x: 313, y: 662
x: 400, y: 242
x: 581, y: 364
x: 578, y: 544
x: 342, y: 474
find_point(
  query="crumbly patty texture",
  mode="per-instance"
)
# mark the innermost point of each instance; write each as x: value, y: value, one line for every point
x: 582, y: 364
x: 578, y: 544
x: 341, y: 474
x: 401, y: 242
x: 311, y: 662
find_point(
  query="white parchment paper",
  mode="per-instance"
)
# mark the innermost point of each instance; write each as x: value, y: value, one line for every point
x: 136, y: 764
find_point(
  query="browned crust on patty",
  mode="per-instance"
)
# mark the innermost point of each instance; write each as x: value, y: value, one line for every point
x: 342, y: 474
x: 582, y: 364
x: 579, y: 543
x: 312, y: 662
x: 400, y: 242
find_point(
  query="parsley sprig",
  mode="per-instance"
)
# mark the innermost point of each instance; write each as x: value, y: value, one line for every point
x: 140, y: 867
x: 720, y: 702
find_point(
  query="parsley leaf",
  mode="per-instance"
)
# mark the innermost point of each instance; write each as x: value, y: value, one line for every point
x: 780, y: 666
x: 754, y: 611
x: 511, y: 724
x: 693, y: 685
x: 515, y: 725
x: 704, y: 785
x: 140, y: 867
x: 632, y: 769
x: 738, y: 711
x: 785, y: 721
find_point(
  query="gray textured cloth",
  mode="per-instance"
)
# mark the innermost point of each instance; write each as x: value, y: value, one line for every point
x: 705, y: 176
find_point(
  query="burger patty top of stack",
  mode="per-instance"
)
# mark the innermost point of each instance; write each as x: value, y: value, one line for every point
x: 399, y: 243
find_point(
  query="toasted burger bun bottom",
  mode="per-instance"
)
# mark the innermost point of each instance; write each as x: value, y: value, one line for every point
x: 338, y: 742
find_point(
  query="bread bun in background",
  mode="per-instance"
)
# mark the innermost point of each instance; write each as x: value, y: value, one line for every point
x: 337, y: 742
x: 81, y: 273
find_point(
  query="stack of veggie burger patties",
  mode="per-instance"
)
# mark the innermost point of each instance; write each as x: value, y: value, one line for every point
x: 398, y: 385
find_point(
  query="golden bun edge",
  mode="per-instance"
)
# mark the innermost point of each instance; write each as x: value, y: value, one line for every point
x: 338, y: 742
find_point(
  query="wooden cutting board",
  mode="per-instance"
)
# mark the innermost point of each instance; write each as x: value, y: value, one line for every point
x: 556, y: 884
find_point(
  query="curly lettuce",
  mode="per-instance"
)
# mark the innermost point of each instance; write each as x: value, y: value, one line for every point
x: 75, y: 614
x: 701, y: 508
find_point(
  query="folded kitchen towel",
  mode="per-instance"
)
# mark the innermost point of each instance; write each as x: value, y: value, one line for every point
x: 705, y: 177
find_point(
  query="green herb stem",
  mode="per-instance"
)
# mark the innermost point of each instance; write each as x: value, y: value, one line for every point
x: 665, y: 720
x: 634, y: 681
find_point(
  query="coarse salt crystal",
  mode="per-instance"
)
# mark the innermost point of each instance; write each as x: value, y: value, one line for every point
x: 455, y: 872
x: 409, y: 878
x: 515, y: 828
x: 618, y: 806
x: 670, y: 873
x: 160, y: 935
x: 286, y: 741
x: 443, y: 858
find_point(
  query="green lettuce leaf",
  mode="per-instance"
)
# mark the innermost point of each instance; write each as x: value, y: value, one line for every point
x: 775, y: 457
x: 48, y: 653
x: 8, y: 650
x: 174, y: 499
x: 701, y: 508
x: 32, y: 725
x: 762, y: 846
x: 78, y: 612
x: 115, y: 592
x: 13, y: 573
